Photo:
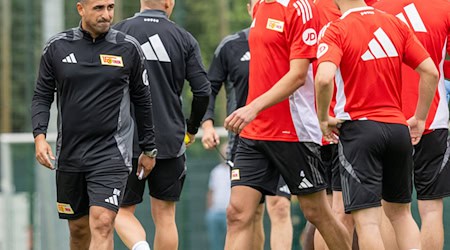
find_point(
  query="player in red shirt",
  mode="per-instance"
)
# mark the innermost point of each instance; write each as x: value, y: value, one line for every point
x: 329, y: 12
x: 278, y: 129
x: 374, y: 143
x: 430, y: 22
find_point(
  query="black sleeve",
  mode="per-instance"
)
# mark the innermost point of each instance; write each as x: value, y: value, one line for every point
x: 217, y: 74
x: 44, y: 93
x: 141, y: 98
x: 200, y: 85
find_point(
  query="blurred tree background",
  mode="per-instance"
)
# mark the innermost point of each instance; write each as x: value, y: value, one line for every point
x: 21, y: 44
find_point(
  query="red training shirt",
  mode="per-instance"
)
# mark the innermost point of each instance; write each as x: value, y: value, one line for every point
x: 369, y: 46
x: 281, y: 31
x: 430, y: 21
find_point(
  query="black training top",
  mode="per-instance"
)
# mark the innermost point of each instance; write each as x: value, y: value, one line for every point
x: 94, y: 79
x: 230, y: 67
x: 172, y: 55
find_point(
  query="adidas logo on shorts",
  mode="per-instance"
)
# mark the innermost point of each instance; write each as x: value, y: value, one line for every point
x: 305, y: 182
x: 285, y: 189
x: 114, y: 198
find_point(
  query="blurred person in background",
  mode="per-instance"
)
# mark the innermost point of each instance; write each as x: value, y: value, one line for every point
x: 217, y: 200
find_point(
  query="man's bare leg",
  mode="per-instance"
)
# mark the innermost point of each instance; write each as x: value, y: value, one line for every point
x: 166, y: 233
x: 307, y: 237
x: 128, y: 227
x: 258, y: 224
x: 368, y: 225
x: 101, y: 224
x: 319, y: 242
x: 406, y: 230
x: 432, y: 229
x: 240, y: 218
x: 279, y: 210
x: 317, y: 210
x: 80, y: 234
x: 388, y: 233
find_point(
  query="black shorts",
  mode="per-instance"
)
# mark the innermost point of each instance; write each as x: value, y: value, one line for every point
x: 258, y: 164
x: 165, y: 182
x: 329, y: 154
x: 376, y: 163
x: 77, y: 191
x: 431, y: 165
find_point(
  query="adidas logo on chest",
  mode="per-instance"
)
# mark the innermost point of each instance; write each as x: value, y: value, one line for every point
x: 246, y: 57
x: 70, y: 59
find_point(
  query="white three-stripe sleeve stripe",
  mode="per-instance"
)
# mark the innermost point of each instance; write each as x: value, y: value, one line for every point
x: 414, y: 18
x: 308, y: 8
x: 158, y: 46
x: 297, y: 8
x: 304, y: 9
x: 387, y: 44
x: 299, y: 13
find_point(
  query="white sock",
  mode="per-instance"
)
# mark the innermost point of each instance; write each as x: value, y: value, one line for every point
x: 141, y: 245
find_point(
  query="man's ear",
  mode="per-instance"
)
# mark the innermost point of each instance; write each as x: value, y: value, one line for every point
x: 80, y: 9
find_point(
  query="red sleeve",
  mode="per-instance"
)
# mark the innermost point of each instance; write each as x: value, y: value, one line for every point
x: 370, y: 2
x: 414, y: 53
x: 448, y: 37
x: 447, y: 62
x: 330, y: 47
x: 381, y: 5
x: 302, y: 29
x: 447, y: 69
x: 255, y: 8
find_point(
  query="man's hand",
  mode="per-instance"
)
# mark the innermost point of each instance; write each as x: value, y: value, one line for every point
x: 146, y: 164
x: 330, y: 129
x: 210, y: 137
x: 240, y: 118
x: 44, y: 152
x: 416, y: 128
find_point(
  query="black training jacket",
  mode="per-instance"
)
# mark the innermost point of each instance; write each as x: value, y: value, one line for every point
x: 172, y: 55
x: 230, y: 67
x: 95, y: 80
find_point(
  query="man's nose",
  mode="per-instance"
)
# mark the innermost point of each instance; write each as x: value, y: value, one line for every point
x: 106, y: 15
